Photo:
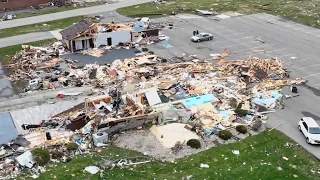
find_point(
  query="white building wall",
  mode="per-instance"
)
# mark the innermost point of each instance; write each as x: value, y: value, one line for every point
x: 116, y: 38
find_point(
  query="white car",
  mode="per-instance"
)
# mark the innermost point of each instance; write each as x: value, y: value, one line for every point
x: 310, y: 129
x: 202, y: 37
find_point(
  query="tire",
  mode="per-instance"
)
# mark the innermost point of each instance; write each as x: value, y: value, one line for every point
x: 308, y: 141
x: 210, y: 38
x: 299, y: 127
x: 198, y: 40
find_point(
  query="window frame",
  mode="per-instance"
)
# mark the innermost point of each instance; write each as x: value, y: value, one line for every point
x: 305, y: 126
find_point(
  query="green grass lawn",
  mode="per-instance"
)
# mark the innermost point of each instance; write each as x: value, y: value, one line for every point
x: 259, y: 158
x: 301, y: 11
x: 7, y: 52
x: 52, y: 25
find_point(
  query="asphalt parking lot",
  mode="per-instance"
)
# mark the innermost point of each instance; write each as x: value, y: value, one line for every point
x: 297, y: 45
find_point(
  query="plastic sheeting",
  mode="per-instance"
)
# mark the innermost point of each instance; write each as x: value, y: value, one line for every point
x: 269, y: 102
x: 200, y: 100
x: 173, y: 115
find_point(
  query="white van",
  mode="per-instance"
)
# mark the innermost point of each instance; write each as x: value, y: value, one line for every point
x: 145, y: 21
x: 310, y: 129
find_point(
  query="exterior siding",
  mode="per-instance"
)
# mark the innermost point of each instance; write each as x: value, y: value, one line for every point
x: 17, y: 4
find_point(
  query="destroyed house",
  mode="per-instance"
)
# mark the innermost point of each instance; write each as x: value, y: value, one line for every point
x: 79, y: 36
x: 86, y: 34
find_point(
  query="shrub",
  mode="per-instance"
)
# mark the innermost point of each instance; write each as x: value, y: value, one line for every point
x: 194, y: 143
x: 256, y: 125
x: 56, y: 154
x: 41, y: 156
x: 72, y: 146
x: 242, y: 129
x: 233, y: 103
x: 225, y: 135
x: 241, y: 112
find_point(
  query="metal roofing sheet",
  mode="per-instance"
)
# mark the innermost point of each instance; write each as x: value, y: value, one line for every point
x: 34, y: 115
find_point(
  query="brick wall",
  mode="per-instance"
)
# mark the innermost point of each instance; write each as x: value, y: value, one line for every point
x: 17, y: 4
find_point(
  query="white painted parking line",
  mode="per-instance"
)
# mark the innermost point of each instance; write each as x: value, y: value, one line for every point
x: 309, y: 66
x: 286, y: 55
x: 240, y: 44
x: 275, y: 50
x: 302, y: 59
x: 225, y: 32
x: 253, y: 48
x: 232, y: 39
x: 234, y: 34
x: 312, y: 31
x: 311, y: 75
x: 269, y: 53
x: 258, y: 54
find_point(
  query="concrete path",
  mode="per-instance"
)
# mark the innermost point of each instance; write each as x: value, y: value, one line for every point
x: 68, y: 14
x: 25, y: 38
x: 41, y: 96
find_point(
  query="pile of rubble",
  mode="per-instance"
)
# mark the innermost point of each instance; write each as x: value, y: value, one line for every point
x: 196, y: 98
x: 45, y: 69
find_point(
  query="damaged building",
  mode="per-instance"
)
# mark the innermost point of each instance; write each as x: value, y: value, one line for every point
x: 85, y: 34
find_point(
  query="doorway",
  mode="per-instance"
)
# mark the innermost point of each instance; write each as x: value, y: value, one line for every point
x: 109, y: 41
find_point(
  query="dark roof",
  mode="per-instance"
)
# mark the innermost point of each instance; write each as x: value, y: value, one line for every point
x: 75, y: 29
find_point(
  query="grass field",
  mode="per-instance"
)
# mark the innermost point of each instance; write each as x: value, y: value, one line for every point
x: 7, y: 52
x: 260, y: 157
x: 302, y: 11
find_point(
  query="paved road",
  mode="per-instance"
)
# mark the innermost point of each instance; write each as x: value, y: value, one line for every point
x: 283, y: 39
x: 67, y: 14
x: 25, y: 38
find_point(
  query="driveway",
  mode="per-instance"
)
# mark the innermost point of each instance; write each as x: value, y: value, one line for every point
x: 68, y: 14
x: 6, y: 88
x: 291, y: 42
x: 25, y: 38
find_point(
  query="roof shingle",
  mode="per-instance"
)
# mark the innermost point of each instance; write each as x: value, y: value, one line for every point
x: 75, y: 29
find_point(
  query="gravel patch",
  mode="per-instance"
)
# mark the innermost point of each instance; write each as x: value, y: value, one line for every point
x: 145, y: 142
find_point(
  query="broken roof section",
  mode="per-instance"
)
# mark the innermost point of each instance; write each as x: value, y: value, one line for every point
x: 113, y: 27
x: 76, y: 29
